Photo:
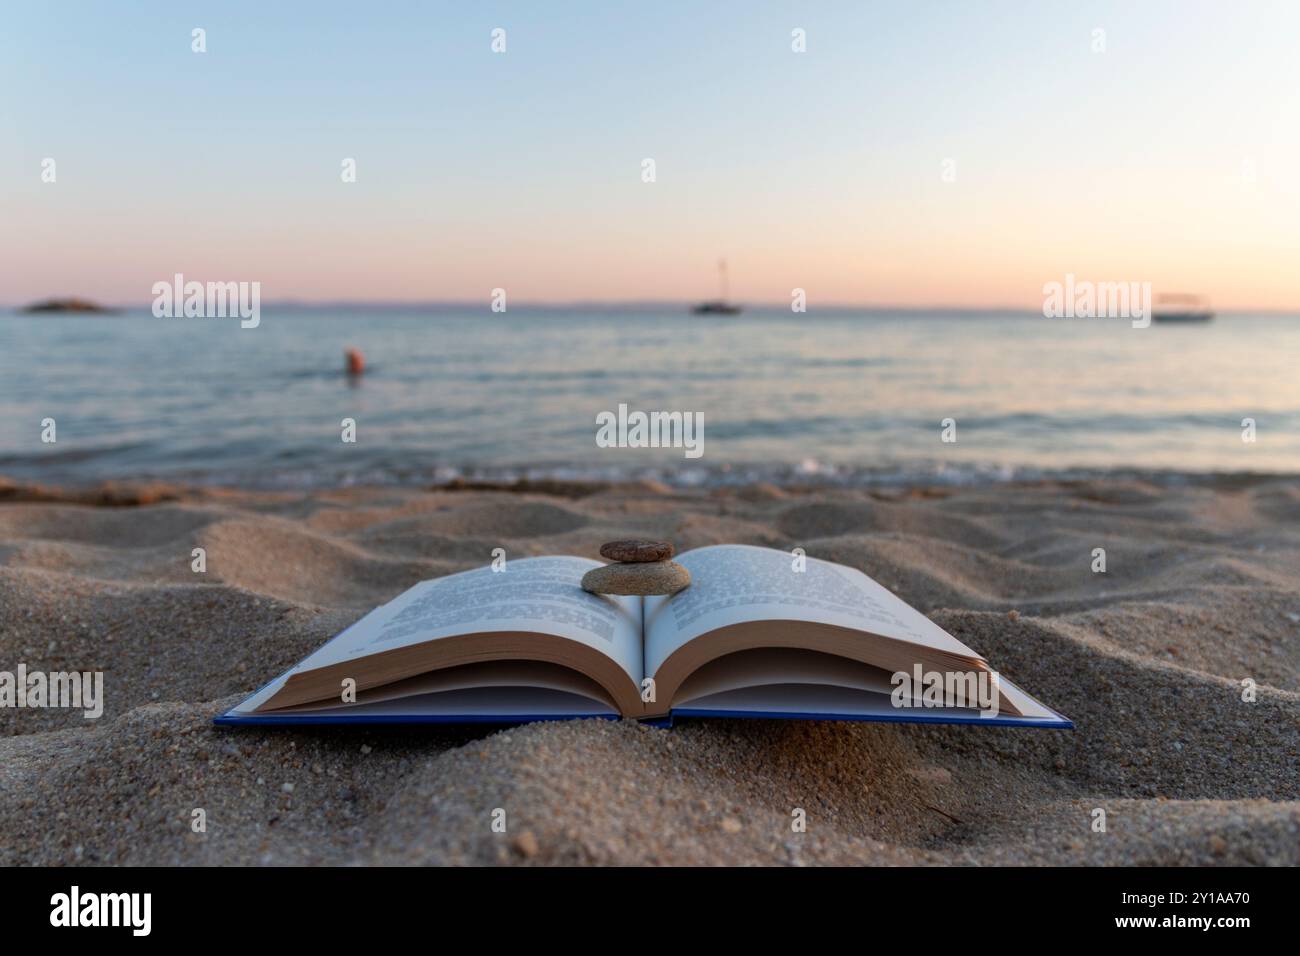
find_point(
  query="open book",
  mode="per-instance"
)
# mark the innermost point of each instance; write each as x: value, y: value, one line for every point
x: 759, y: 633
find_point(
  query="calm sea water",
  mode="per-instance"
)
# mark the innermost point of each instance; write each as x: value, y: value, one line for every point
x: 835, y: 397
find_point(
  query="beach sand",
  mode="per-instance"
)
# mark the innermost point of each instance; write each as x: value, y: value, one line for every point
x: 1202, y: 591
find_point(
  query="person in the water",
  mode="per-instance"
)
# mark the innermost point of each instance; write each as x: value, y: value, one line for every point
x: 354, y: 361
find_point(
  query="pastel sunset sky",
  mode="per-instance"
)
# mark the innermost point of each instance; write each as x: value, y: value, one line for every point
x: 1171, y: 157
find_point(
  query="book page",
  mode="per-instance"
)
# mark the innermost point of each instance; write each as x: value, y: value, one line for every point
x: 538, y: 595
x: 735, y: 584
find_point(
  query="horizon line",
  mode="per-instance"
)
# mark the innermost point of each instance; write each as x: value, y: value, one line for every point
x: 617, y: 304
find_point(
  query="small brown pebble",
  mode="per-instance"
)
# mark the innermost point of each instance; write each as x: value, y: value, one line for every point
x: 1218, y: 845
x: 1013, y: 615
x: 730, y: 825
x: 928, y: 774
x: 526, y: 845
x: 636, y: 551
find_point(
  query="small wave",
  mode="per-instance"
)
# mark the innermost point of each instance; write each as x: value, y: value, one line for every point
x: 806, y: 474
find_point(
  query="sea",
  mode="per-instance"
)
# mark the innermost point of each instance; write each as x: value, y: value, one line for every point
x: 838, y: 397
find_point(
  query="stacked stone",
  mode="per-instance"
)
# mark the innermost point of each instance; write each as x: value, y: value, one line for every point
x: 641, y: 567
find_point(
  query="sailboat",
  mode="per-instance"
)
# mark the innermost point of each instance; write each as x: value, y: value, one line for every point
x: 719, y: 306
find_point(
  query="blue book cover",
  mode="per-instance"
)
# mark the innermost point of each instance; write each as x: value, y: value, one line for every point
x: 759, y: 633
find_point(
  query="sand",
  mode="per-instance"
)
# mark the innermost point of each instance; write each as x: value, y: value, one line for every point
x: 1202, y: 591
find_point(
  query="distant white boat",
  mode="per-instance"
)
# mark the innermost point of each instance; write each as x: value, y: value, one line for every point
x: 1182, y: 307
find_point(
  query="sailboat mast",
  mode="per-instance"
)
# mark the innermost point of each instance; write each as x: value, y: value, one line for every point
x: 722, y: 275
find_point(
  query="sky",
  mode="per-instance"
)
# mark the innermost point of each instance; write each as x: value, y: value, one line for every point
x: 918, y: 153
